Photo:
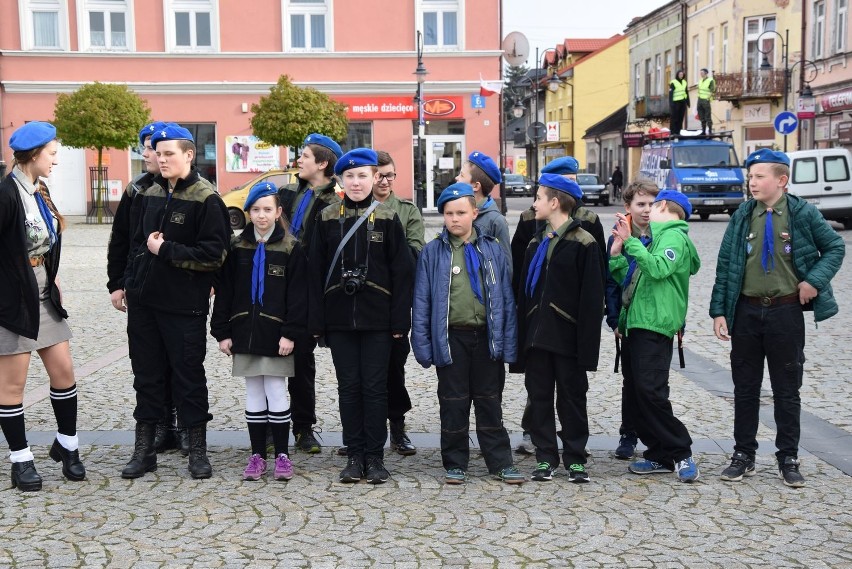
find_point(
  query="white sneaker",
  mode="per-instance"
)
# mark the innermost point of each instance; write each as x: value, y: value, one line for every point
x: 526, y: 446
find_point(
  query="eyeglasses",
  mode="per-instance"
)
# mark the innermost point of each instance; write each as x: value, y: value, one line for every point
x: 390, y: 177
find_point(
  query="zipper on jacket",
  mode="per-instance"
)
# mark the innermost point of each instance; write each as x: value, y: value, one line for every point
x: 490, y: 307
x: 449, y: 290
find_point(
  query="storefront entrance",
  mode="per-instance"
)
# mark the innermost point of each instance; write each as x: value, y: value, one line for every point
x: 444, y: 156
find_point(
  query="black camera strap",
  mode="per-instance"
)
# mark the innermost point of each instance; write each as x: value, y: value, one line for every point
x: 348, y: 236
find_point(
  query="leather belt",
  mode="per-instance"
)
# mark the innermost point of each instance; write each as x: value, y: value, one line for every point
x: 767, y: 301
x: 467, y: 328
x: 37, y: 261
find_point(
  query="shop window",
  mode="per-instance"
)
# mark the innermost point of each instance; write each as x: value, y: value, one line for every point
x: 440, y: 22
x: 359, y: 135
x: 104, y: 24
x: 307, y: 25
x: 44, y: 24
x: 204, y: 135
x: 193, y: 25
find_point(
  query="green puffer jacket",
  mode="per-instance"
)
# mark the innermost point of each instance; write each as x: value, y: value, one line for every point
x: 662, y: 293
x: 817, y: 255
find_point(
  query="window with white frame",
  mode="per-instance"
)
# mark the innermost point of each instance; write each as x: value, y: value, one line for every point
x: 711, y: 50
x: 637, y: 81
x: 307, y: 25
x: 696, y: 50
x: 192, y: 25
x: 658, y: 79
x: 724, y: 48
x: 753, y: 54
x: 104, y: 24
x: 840, y: 24
x: 441, y: 23
x: 819, y: 29
x: 669, y: 70
x: 44, y: 24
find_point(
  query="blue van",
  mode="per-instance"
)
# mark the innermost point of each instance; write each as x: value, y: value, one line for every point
x: 705, y: 168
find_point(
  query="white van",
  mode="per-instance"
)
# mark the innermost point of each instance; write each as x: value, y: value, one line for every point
x: 822, y: 177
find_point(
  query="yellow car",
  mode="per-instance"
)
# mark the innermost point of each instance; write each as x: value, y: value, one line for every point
x: 236, y: 198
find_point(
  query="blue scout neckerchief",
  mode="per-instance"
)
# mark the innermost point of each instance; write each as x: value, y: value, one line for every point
x: 298, y: 217
x: 537, y: 263
x: 471, y: 261
x: 45, y: 212
x: 767, y: 257
x: 258, y: 266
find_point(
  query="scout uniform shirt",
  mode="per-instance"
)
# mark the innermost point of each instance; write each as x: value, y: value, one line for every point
x: 777, y: 280
x: 465, y: 309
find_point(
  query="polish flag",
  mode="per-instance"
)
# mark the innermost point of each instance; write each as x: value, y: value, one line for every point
x: 488, y: 88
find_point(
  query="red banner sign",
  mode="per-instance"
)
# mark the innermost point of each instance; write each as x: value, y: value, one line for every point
x: 836, y: 101
x: 402, y: 107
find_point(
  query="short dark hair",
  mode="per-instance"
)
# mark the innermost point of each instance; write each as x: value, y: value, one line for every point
x: 186, y: 146
x: 323, y: 154
x: 477, y: 174
x: 566, y: 202
x: 675, y: 208
x: 640, y: 186
x: 384, y: 158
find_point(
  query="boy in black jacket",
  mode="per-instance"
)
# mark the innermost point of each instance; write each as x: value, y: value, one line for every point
x: 559, y: 313
x: 360, y: 298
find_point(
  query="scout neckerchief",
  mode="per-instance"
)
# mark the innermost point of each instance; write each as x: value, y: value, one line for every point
x: 471, y: 261
x: 537, y: 262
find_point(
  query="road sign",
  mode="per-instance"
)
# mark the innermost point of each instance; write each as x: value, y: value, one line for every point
x: 477, y: 102
x: 537, y: 131
x: 786, y: 122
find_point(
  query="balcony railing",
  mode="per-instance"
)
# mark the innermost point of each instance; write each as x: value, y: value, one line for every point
x: 654, y: 106
x: 754, y: 84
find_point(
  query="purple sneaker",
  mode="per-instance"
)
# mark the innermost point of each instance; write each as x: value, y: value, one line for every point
x: 255, y: 469
x: 283, y: 467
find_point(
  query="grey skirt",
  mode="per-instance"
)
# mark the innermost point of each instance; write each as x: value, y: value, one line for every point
x: 52, y: 328
x: 246, y: 365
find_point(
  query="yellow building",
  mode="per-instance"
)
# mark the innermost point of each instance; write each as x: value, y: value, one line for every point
x: 595, y: 85
x: 742, y: 44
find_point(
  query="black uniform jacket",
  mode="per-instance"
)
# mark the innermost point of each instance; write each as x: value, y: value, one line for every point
x: 379, y: 244
x: 122, y: 228
x: 257, y: 328
x: 323, y: 197
x: 195, y: 226
x: 564, y: 314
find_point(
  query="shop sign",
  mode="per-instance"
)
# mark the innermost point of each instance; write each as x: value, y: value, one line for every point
x: 632, y: 139
x: 805, y: 108
x: 552, y: 131
x: 756, y: 113
x: 401, y: 107
x: 844, y: 132
x: 822, y: 128
x: 837, y: 101
x: 250, y: 154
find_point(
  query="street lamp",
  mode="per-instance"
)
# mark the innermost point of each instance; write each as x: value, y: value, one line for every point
x: 788, y: 69
x: 420, y: 72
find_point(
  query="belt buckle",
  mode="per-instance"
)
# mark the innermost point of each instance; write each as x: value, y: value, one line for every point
x: 765, y: 301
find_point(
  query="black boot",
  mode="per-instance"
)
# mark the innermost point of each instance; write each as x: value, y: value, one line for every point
x: 199, y: 465
x: 164, y: 436
x: 24, y: 477
x: 144, y: 457
x: 399, y: 441
x: 72, y: 468
x: 181, y: 436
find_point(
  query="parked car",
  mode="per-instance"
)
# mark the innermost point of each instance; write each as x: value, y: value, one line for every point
x: 593, y: 189
x: 236, y: 198
x: 822, y: 177
x: 517, y: 185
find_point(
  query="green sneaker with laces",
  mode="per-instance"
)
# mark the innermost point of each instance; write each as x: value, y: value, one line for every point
x: 510, y: 475
x: 577, y: 474
x: 543, y: 472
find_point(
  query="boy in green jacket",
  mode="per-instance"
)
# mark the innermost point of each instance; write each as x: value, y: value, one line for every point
x: 776, y: 260
x: 654, y: 310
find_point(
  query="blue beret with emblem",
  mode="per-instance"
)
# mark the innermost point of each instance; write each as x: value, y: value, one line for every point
x: 562, y: 166
x: 170, y: 131
x: 676, y: 197
x: 32, y: 135
x: 259, y: 190
x: 323, y: 140
x: 149, y: 130
x: 562, y: 184
x: 356, y: 158
x: 486, y: 164
x: 765, y: 155
x: 454, y: 192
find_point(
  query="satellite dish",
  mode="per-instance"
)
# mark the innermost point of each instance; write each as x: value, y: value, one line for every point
x: 516, y: 49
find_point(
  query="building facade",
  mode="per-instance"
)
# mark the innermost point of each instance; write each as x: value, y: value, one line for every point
x: 203, y: 63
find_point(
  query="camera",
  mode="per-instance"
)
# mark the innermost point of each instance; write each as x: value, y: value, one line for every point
x: 353, y: 279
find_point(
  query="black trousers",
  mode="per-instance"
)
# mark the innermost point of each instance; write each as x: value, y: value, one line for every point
x: 628, y: 399
x: 361, y: 363
x: 678, y: 111
x: 705, y: 115
x: 163, y: 346
x: 547, y: 372
x: 472, y: 377
x: 776, y: 334
x: 302, y: 386
x: 399, y: 403
x: 646, y: 358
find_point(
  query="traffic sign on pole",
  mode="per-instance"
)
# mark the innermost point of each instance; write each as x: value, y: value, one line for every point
x: 786, y: 122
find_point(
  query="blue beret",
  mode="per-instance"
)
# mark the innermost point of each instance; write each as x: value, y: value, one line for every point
x: 356, y: 158
x: 149, y: 130
x: 323, y: 140
x: 32, y: 135
x: 676, y: 197
x: 487, y: 165
x: 170, y: 131
x: 453, y: 192
x: 259, y: 190
x: 562, y: 166
x: 562, y: 184
x: 765, y: 155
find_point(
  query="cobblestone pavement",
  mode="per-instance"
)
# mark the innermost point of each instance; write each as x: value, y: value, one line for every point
x: 166, y: 519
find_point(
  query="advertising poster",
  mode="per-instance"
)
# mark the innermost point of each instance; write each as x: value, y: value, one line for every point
x: 250, y: 154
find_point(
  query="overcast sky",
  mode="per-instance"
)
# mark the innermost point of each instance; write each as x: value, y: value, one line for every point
x: 548, y: 22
